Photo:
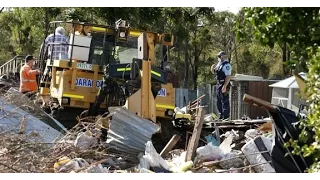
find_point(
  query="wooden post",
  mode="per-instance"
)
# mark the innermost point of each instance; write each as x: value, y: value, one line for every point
x: 173, y: 141
x: 193, y: 143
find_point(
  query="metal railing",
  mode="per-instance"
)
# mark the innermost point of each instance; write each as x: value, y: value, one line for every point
x: 13, y: 65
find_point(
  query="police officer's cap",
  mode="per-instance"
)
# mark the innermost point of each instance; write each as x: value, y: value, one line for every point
x: 29, y: 57
x: 222, y: 53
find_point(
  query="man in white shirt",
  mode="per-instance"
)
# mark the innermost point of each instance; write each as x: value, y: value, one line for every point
x: 60, y: 49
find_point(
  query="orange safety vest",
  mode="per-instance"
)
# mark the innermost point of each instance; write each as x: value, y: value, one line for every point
x: 28, y: 78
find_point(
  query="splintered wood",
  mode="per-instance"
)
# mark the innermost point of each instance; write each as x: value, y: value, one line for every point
x: 193, y: 143
x: 173, y: 141
x: 23, y: 125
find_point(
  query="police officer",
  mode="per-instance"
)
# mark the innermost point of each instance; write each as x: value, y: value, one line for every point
x: 223, y: 73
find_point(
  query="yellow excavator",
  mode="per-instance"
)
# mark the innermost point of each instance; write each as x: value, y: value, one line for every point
x: 107, y: 66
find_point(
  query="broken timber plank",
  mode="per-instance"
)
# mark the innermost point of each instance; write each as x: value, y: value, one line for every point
x: 259, y: 102
x: 173, y: 141
x: 23, y: 125
x: 193, y: 143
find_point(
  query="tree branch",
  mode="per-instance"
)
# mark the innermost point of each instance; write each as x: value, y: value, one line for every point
x: 199, y: 52
x: 1, y: 9
x: 190, y: 61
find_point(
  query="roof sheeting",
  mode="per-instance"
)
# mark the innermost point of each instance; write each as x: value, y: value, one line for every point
x: 289, y: 82
x: 15, y: 98
x: 12, y: 117
x: 129, y: 133
x: 244, y: 77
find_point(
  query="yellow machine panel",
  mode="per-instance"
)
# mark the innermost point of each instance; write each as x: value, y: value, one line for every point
x: 75, y: 86
x: 165, y: 101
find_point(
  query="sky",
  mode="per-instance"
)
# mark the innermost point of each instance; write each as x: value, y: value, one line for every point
x: 234, y: 10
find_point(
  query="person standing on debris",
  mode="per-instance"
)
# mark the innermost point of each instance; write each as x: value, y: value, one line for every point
x: 223, y: 73
x: 28, y: 83
x: 60, y: 48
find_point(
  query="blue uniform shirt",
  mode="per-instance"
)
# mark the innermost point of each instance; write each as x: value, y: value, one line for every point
x: 227, y: 69
x: 223, y: 70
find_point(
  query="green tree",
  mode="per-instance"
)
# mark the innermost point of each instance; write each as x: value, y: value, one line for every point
x: 23, y: 30
x: 275, y: 26
x: 298, y: 29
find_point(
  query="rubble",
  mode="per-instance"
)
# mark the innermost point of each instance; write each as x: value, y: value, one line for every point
x: 67, y: 165
x: 152, y: 158
x: 19, y: 155
x: 9, y: 80
x: 85, y: 140
x: 263, y: 157
x: 251, y: 134
x: 232, y: 160
x: 120, y: 143
x: 209, y: 153
x: 83, y: 150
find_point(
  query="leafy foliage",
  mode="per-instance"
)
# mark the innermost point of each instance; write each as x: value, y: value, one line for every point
x: 313, y: 120
x: 296, y: 27
x: 299, y: 29
x: 200, y: 33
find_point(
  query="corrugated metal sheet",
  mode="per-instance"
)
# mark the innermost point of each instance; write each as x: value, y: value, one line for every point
x: 129, y: 133
x: 11, y: 118
x: 15, y: 98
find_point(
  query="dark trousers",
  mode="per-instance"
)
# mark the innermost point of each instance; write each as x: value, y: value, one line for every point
x: 223, y: 102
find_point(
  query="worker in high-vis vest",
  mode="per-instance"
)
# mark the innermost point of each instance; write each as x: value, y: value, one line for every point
x: 28, y: 76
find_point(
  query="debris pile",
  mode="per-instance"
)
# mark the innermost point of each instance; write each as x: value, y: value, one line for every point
x: 120, y: 141
x: 209, y: 159
x: 19, y: 155
x: 9, y: 80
